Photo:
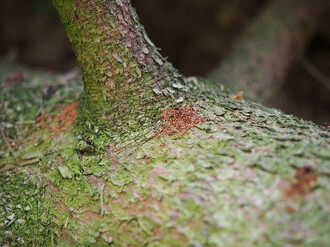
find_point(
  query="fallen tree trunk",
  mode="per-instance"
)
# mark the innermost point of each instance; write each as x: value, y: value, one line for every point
x: 151, y: 159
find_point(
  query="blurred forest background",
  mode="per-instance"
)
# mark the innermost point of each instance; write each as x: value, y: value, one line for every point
x: 194, y: 34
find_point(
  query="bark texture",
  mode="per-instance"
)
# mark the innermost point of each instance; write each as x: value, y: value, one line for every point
x: 212, y: 171
x: 119, y: 64
x: 260, y: 60
x: 247, y: 174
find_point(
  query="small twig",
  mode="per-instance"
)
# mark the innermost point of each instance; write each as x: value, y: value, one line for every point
x: 66, y: 222
x: 72, y: 74
x: 101, y: 186
x: 35, y: 98
x: 26, y: 122
x: 39, y: 101
x: 316, y: 73
x: 5, y: 139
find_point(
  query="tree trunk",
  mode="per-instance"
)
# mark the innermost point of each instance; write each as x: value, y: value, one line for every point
x: 126, y: 80
x: 260, y: 60
x: 154, y: 159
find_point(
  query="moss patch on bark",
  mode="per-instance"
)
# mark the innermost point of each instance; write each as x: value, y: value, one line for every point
x: 224, y: 182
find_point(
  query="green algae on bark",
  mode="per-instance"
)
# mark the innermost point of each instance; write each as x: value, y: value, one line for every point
x: 26, y: 217
x: 119, y: 64
x: 223, y: 183
x: 114, y: 180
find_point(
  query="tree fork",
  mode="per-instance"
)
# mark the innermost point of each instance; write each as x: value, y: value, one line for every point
x: 259, y: 61
x: 245, y: 174
x: 123, y: 73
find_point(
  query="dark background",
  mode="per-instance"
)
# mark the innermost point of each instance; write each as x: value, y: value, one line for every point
x: 195, y: 35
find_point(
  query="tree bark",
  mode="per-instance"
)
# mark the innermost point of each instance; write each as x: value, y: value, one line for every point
x: 123, y: 73
x: 260, y: 60
x: 213, y: 171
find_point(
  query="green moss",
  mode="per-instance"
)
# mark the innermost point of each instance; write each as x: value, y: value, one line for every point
x: 26, y: 216
x: 119, y: 64
x: 219, y: 185
x: 25, y: 213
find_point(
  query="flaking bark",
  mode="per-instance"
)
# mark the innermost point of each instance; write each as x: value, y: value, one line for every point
x: 123, y: 73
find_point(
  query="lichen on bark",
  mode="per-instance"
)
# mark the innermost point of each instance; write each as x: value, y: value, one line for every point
x: 226, y: 181
x: 126, y: 80
x: 226, y: 175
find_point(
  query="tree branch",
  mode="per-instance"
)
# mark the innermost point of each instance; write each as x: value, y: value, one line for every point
x: 125, y: 77
x: 259, y: 61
